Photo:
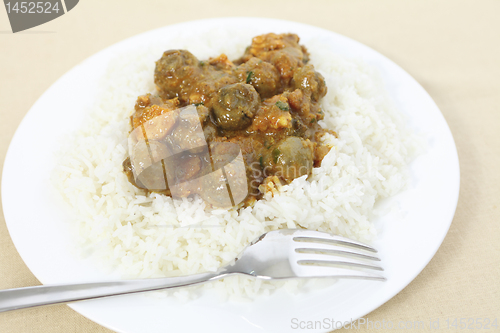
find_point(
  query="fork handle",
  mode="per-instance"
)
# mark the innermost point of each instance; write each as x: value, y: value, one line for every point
x: 20, y: 298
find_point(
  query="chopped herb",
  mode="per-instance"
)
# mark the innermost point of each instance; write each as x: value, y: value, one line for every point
x: 282, y: 106
x: 249, y: 76
x: 198, y: 104
x: 313, y: 120
x: 261, y: 161
x: 276, y: 154
x: 202, y: 63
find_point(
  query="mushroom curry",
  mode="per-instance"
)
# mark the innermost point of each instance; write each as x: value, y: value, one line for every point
x: 267, y: 102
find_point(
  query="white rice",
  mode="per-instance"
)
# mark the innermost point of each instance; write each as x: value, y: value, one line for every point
x: 150, y: 236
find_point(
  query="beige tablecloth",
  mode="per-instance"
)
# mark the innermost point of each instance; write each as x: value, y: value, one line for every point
x: 452, y: 48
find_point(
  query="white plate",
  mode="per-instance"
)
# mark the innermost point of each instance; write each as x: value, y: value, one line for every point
x: 407, y: 244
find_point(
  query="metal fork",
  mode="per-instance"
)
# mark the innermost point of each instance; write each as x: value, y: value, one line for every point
x: 281, y: 254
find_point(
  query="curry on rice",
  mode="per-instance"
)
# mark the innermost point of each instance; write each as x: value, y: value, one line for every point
x: 267, y: 102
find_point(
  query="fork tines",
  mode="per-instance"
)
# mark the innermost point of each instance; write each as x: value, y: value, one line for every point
x: 330, y: 255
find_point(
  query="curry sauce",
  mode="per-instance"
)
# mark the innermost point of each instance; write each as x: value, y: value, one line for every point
x: 267, y: 102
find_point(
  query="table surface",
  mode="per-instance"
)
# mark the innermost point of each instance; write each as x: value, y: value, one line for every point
x: 452, y: 48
